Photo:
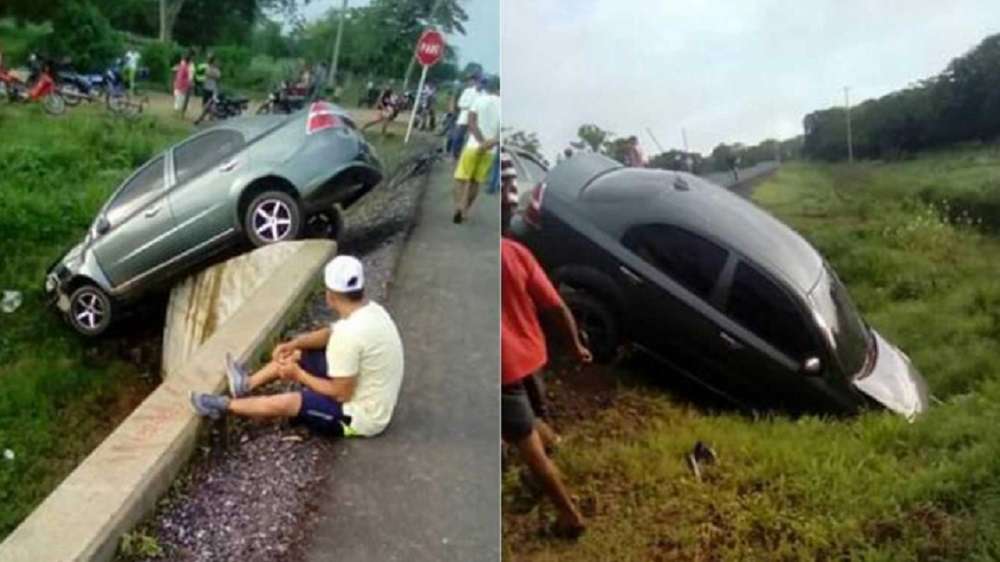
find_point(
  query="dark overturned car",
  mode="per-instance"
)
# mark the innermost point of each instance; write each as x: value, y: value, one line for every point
x: 252, y: 181
x: 715, y: 287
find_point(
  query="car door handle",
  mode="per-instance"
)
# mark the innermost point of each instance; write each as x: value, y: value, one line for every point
x: 730, y: 341
x: 632, y: 277
x: 151, y: 212
x: 229, y: 166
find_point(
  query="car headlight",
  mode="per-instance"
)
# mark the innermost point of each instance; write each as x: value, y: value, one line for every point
x: 50, y: 283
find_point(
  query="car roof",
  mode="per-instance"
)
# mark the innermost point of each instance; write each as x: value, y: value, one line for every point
x: 617, y: 198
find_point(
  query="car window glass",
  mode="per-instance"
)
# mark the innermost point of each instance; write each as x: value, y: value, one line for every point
x: 529, y: 173
x: 685, y: 257
x: 201, y: 153
x: 762, y: 307
x: 137, y: 192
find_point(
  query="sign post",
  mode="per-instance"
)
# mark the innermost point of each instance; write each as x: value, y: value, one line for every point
x: 430, y: 49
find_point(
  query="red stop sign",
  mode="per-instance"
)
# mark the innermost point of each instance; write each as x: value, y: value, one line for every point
x: 430, y: 47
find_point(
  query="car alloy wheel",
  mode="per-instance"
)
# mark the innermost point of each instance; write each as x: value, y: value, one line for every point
x: 597, y: 324
x: 272, y: 217
x: 89, y: 310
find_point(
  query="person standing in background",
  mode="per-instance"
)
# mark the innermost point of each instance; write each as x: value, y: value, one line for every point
x: 465, y: 101
x: 131, y: 68
x: 182, y: 83
x: 210, y: 83
x: 477, y: 157
x: 633, y: 154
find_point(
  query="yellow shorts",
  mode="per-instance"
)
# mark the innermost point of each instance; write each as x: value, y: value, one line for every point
x: 474, y: 165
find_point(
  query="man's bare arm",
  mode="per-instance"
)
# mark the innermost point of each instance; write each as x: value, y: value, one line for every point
x: 316, y: 339
x: 562, y: 318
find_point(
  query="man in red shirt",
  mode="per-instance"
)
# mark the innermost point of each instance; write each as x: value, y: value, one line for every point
x: 526, y: 294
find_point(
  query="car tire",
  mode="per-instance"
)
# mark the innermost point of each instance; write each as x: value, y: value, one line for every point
x: 327, y: 224
x: 271, y: 217
x: 597, y: 322
x: 90, y: 310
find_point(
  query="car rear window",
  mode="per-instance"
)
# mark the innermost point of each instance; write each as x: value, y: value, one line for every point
x: 761, y: 306
x: 202, y: 152
x: 687, y: 258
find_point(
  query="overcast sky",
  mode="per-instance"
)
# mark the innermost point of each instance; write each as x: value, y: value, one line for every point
x: 724, y: 71
x: 481, y: 42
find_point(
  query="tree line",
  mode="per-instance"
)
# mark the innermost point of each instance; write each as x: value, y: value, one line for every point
x: 962, y: 103
x: 255, y: 40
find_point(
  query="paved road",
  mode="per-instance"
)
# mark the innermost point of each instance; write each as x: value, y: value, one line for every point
x: 427, y: 489
x: 747, y: 176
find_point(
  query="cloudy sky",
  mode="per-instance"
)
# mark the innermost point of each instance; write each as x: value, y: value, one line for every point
x: 724, y: 71
x: 481, y: 42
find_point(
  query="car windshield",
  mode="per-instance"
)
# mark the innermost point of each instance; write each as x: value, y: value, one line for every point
x: 847, y: 332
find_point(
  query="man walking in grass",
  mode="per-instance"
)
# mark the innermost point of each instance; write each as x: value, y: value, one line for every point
x: 351, y: 371
x: 525, y: 295
x: 477, y: 157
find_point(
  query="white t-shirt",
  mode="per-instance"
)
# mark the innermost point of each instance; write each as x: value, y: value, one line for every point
x: 487, y: 110
x: 366, y: 344
x: 465, y: 101
x: 132, y: 60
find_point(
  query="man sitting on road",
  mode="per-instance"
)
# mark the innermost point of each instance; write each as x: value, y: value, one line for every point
x: 352, y: 369
x: 525, y: 295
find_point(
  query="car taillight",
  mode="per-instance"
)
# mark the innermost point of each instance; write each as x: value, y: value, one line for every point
x: 321, y: 117
x: 533, y: 214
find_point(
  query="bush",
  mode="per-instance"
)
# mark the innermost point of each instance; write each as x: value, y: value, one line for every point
x: 81, y: 32
x: 160, y: 58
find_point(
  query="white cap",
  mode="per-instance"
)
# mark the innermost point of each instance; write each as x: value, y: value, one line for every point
x: 344, y: 274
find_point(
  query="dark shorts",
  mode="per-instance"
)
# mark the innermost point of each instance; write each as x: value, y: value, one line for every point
x: 318, y: 412
x: 535, y: 387
x: 517, y: 420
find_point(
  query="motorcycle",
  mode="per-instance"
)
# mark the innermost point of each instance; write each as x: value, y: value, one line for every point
x: 285, y: 99
x: 221, y: 107
x: 42, y: 90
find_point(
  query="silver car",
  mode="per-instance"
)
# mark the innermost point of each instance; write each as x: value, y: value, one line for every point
x: 257, y: 179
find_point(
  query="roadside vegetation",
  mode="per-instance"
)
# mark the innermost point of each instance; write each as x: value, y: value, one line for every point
x: 869, y: 488
x: 59, y: 395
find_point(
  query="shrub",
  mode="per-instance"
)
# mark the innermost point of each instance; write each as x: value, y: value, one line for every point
x: 81, y: 32
x: 160, y: 57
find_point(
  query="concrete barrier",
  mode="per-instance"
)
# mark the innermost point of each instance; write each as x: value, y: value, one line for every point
x: 121, y: 480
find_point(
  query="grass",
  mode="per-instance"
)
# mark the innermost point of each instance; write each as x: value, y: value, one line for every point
x: 868, y: 488
x: 59, y: 394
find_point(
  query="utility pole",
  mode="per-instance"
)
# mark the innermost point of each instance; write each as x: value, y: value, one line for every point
x: 684, y: 137
x: 163, y: 20
x: 850, y: 145
x: 413, y: 59
x: 330, y: 80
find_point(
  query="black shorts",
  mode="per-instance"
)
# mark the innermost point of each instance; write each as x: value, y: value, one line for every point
x: 517, y: 420
x: 319, y: 412
x: 535, y: 387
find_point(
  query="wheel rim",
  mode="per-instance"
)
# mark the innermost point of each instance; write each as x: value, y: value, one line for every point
x: 89, y: 310
x: 55, y: 103
x: 272, y: 220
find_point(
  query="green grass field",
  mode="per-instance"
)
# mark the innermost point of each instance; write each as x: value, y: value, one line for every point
x: 870, y: 488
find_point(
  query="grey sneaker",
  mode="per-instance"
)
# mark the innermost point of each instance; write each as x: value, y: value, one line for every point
x: 236, y: 375
x: 209, y: 405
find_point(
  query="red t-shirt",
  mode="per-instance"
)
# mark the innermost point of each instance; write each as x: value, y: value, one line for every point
x: 525, y: 291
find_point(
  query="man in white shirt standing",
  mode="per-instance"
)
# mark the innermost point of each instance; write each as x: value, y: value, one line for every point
x: 351, y: 370
x: 131, y: 68
x: 477, y: 157
x: 465, y: 101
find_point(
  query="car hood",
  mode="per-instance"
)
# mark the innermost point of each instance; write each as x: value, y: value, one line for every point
x: 894, y: 382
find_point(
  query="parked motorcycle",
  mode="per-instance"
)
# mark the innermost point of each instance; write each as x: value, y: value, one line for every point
x: 285, y: 99
x: 222, y: 107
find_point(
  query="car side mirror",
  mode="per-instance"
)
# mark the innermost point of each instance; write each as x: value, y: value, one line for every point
x: 812, y: 366
x: 103, y: 225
